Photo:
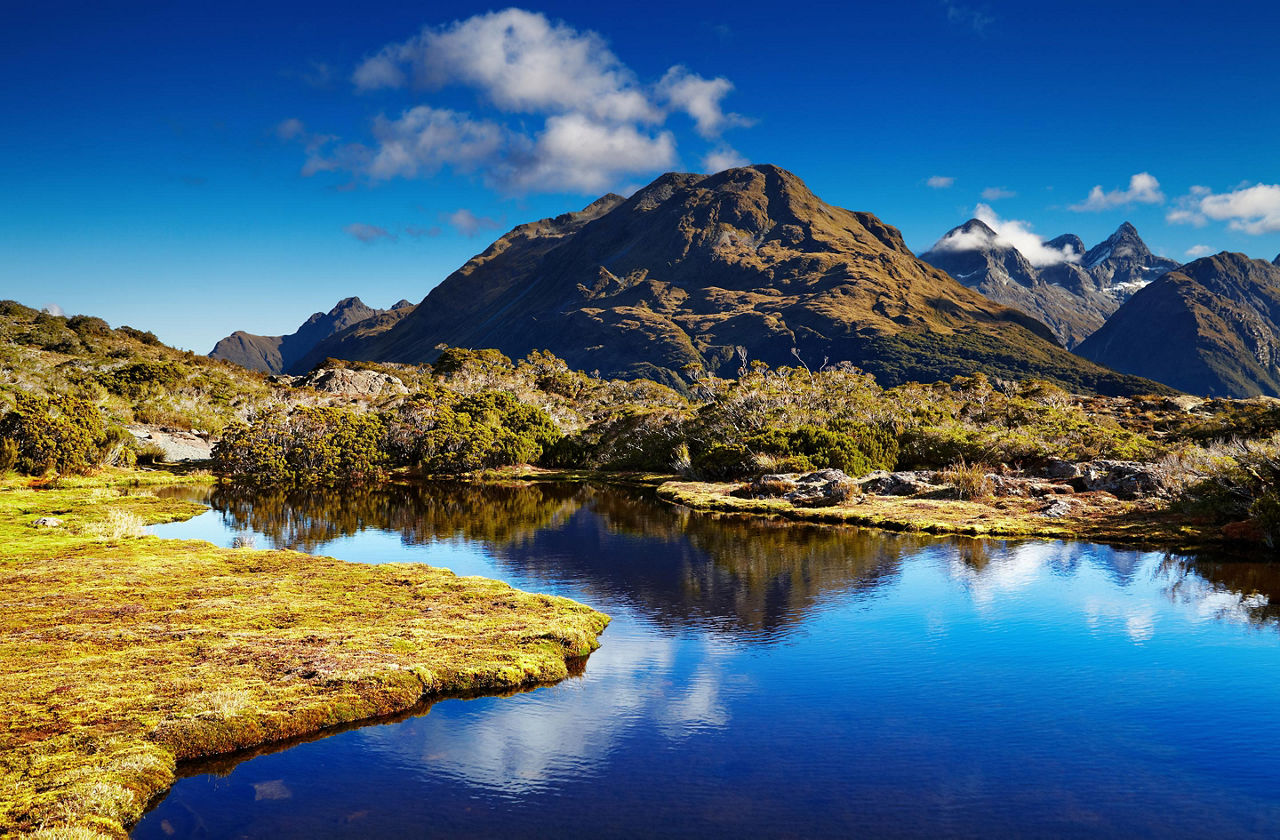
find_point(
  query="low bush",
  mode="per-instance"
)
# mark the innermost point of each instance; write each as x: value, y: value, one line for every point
x: 58, y: 434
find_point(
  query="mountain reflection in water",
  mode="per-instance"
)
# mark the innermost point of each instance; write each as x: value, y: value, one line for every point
x: 774, y: 679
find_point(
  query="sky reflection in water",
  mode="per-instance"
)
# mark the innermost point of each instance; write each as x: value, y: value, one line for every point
x: 780, y: 680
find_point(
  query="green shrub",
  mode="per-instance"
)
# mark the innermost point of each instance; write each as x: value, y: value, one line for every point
x: 854, y: 449
x: 308, y: 447
x: 61, y: 434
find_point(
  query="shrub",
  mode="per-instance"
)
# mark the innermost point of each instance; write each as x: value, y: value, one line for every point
x: 61, y: 433
x: 854, y: 449
x: 311, y: 446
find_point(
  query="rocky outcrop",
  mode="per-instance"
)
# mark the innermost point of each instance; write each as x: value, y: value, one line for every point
x: 177, y: 444
x: 361, y: 383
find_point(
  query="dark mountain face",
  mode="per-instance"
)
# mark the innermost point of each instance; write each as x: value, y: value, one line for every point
x: 1073, y: 297
x: 278, y: 353
x: 692, y: 268
x: 1211, y: 327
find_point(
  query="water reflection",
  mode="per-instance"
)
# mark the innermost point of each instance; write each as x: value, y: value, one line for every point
x: 778, y: 680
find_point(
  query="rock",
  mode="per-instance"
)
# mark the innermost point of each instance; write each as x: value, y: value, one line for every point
x: 363, y: 383
x: 1182, y: 402
x: 178, y: 445
x: 47, y: 522
x: 1123, y: 479
x: 1061, y: 470
x: 905, y: 483
x: 768, y: 486
x: 1057, y: 508
x: 816, y: 489
x: 821, y: 489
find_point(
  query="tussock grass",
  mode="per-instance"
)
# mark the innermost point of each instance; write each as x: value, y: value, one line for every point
x: 118, y: 525
x: 968, y: 481
x: 118, y: 658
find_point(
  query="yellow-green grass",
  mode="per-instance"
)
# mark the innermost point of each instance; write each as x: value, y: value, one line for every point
x: 121, y: 654
x: 1098, y: 517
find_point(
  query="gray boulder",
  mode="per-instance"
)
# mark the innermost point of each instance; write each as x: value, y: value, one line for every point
x: 1123, y: 479
x: 905, y: 483
x: 361, y: 383
x: 816, y: 489
x: 47, y: 522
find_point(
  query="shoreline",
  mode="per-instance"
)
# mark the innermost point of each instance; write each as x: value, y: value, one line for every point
x: 124, y: 654
x: 1096, y: 516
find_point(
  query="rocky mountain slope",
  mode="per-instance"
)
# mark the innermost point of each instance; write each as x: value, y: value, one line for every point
x: 1074, y: 297
x: 1211, y: 327
x: 695, y: 272
x: 280, y: 353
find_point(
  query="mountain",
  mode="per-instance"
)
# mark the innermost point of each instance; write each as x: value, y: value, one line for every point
x: 1211, y: 327
x: 279, y: 353
x: 1073, y: 297
x: 1123, y: 263
x: 693, y: 267
x: 1064, y: 297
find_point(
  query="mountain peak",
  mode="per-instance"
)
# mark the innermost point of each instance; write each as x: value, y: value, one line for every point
x: 346, y: 304
x: 404, y: 304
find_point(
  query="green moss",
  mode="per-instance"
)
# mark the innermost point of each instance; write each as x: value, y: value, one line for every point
x: 122, y: 654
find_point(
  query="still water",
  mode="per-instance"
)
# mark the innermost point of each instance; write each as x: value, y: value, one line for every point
x: 762, y: 679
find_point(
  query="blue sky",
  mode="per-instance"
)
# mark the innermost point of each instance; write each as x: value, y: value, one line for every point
x: 242, y: 165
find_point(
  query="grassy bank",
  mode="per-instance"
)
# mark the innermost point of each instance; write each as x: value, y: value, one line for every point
x: 1096, y: 517
x: 120, y: 654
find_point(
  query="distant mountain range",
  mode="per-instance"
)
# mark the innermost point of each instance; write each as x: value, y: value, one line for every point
x: 1210, y: 327
x: 1073, y: 295
x: 283, y: 353
x: 699, y: 272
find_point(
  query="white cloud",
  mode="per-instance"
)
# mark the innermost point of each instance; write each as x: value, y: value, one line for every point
x: 1143, y: 189
x: 368, y: 234
x: 1196, y: 251
x: 290, y: 129
x: 1008, y: 233
x: 519, y: 61
x: 976, y: 19
x: 467, y: 223
x: 940, y: 182
x: 577, y: 153
x: 423, y: 139
x: 722, y: 158
x: 600, y: 124
x: 54, y: 309
x: 1251, y: 209
x: 700, y: 99
x: 997, y: 193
